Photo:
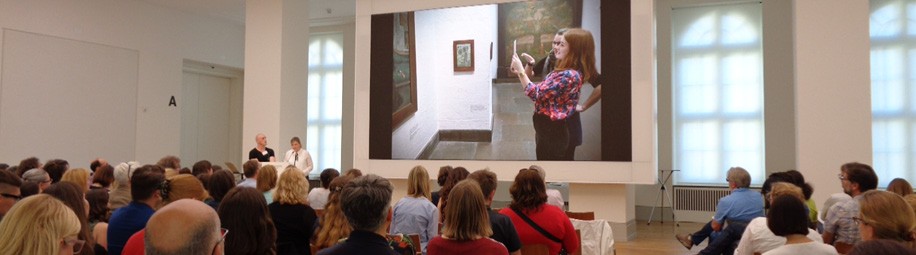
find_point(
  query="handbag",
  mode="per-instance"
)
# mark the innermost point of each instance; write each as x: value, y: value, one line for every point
x: 542, y: 231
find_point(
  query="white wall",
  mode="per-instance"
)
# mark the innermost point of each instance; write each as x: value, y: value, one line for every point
x: 163, y: 38
x: 409, y: 139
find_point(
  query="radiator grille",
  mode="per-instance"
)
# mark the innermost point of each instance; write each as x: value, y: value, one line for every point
x: 698, y: 198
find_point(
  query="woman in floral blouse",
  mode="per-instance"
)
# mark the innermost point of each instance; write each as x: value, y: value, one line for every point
x: 556, y: 97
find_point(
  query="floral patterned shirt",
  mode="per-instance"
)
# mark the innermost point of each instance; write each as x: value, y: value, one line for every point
x: 557, y: 95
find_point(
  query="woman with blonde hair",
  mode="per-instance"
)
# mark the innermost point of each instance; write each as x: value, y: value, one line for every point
x: 267, y: 181
x: 291, y: 213
x: 885, y: 215
x: 71, y: 195
x: 58, y: 225
x: 467, y: 224
x: 415, y: 213
x: 334, y: 224
x: 78, y: 176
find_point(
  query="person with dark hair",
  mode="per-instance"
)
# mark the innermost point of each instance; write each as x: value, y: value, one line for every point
x: 28, y: 189
x: 900, y: 186
x: 881, y: 247
x: 4, y: 166
x: 366, y: 201
x: 185, y: 226
x: 737, y: 209
x: 221, y: 182
x: 28, y: 164
x: 839, y: 228
x: 757, y: 237
x: 440, y: 179
x: 96, y: 163
x: 72, y: 196
x: 529, y: 208
x: 250, y: 169
x: 9, y: 191
x: 202, y: 167
x: 456, y: 175
x: 184, y: 170
x: 245, y: 212
x: 98, y: 217
x: 503, y: 229
x: 318, y: 197
x: 414, y: 213
x: 786, y: 218
x: 14, y: 170
x: 466, y: 229
x: 103, y: 177
x: 298, y: 156
x: 145, y: 187
x: 799, y: 180
x: 56, y: 169
x: 169, y: 162
x: 260, y: 152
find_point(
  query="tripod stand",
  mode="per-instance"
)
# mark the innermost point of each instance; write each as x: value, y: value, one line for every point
x: 663, y: 179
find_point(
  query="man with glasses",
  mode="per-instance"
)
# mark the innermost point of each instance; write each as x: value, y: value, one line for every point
x: 9, y: 191
x: 186, y: 226
x: 839, y: 228
x: 737, y: 210
x: 38, y: 176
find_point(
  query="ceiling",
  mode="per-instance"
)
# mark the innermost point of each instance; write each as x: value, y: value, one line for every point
x: 234, y: 10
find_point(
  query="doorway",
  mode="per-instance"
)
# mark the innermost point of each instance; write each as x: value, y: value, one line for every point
x: 211, y: 114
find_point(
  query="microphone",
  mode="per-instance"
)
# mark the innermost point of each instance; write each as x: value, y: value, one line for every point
x: 296, y: 158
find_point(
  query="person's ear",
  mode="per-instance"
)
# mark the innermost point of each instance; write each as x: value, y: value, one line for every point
x: 390, y: 214
x: 492, y: 195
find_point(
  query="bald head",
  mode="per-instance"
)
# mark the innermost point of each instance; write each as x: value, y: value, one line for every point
x: 185, y: 226
x: 260, y: 139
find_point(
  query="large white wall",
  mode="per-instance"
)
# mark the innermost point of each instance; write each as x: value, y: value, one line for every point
x: 162, y: 37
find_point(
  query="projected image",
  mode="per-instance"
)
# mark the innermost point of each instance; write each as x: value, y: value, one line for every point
x: 537, y: 98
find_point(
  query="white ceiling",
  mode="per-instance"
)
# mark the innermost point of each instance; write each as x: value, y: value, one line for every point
x: 234, y: 10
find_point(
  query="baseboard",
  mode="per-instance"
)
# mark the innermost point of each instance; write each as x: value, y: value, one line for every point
x: 470, y: 135
x: 430, y: 146
x: 661, y: 213
x: 623, y: 231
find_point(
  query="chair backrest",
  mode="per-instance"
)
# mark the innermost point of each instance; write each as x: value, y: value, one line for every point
x: 535, y: 249
x: 581, y: 215
x: 579, y: 237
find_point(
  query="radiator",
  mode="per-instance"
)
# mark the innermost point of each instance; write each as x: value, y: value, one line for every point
x: 694, y: 198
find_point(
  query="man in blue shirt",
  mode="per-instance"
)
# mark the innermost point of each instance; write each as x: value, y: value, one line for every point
x: 736, y: 209
x: 144, y: 188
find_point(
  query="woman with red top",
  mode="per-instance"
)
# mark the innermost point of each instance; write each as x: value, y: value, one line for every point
x: 555, y: 98
x: 529, y: 200
x: 467, y: 225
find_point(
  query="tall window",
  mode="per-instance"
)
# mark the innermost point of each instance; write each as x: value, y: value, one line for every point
x: 717, y: 72
x: 324, y: 100
x: 893, y: 77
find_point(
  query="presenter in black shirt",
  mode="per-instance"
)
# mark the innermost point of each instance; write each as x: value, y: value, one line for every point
x: 261, y: 152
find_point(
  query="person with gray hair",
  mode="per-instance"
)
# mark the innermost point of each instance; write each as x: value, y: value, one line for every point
x: 366, y: 201
x: 38, y: 176
x: 554, y: 197
x: 737, y: 209
x: 120, y: 189
x: 186, y: 226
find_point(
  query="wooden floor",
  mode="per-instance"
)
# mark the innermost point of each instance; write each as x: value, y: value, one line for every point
x: 658, y: 239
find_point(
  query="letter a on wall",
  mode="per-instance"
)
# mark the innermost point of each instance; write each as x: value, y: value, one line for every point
x: 172, y: 102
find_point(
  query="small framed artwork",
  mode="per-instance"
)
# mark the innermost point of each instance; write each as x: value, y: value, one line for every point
x: 463, y: 55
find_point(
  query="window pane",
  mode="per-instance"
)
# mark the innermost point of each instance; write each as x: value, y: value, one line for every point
x: 324, y: 100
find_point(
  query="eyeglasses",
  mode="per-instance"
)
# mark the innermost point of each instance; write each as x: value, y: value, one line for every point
x: 75, y: 243
x: 222, y: 237
x: 858, y: 221
x: 14, y: 197
x: 841, y: 177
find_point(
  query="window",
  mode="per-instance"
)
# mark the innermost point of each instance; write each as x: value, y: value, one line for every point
x: 324, y: 100
x: 893, y: 98
x: 717, y: 72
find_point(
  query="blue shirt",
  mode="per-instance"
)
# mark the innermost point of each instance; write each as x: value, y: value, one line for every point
x: 125, y: 222
x: 416, y: 215
x: 741, y: 205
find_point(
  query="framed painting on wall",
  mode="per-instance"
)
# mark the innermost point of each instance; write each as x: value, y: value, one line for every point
x: 463, y: 55
x: 405, y: 69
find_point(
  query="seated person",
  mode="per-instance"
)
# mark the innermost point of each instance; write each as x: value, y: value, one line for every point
x: 261, y: 153
x: 466, y: 230
x: 366, y: 201
x: 839, y: 228
x: 503, y: 229
x: 757, y: 237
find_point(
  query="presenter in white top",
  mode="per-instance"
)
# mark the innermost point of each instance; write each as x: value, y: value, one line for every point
x: 299, y: 157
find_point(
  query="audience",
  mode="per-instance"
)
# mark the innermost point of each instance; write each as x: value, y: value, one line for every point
x: 96, y: 163
x: 503, y: 229
x: 456, y: 175
x: 318, y: 197
x: 834, y: 198
x: 415, y: 214
x: 266, y: 181
x: 291, y: 213
x: 73, y: 197
x: 757, y: 237
x: 737, y: 209
x: 38, y: 176
x: 58, y: 224
x: 798, y: 179
x: 900, y: 186
x: 103, y: 177
x: 244, y: 211
x: 78, y: 176
x: 885, y: 215
x: 250, y: 168
x: 353, y: 172
x: 554, y: 197
x: 120, y: 189
x: 184, y: 227
x: 144, y: 189
x: 221, y: 182
x: 203, y: 167
x: 467, y: 225
x: 182, y: 186
x: 440, y: 179
x: 366, y: 203
x: 9, y: 191
x: 169, y: 162
x: 881, y: 247
x: 28, y: 164
x: 28, y: 188
x: 839, y: 228
x: 530, y: 213
x: 334, y: 225
x: 787, y: 218
x: 98, y: 217
x: 56, y: 169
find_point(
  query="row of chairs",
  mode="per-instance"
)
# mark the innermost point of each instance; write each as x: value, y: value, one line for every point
x: 541, y: 249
